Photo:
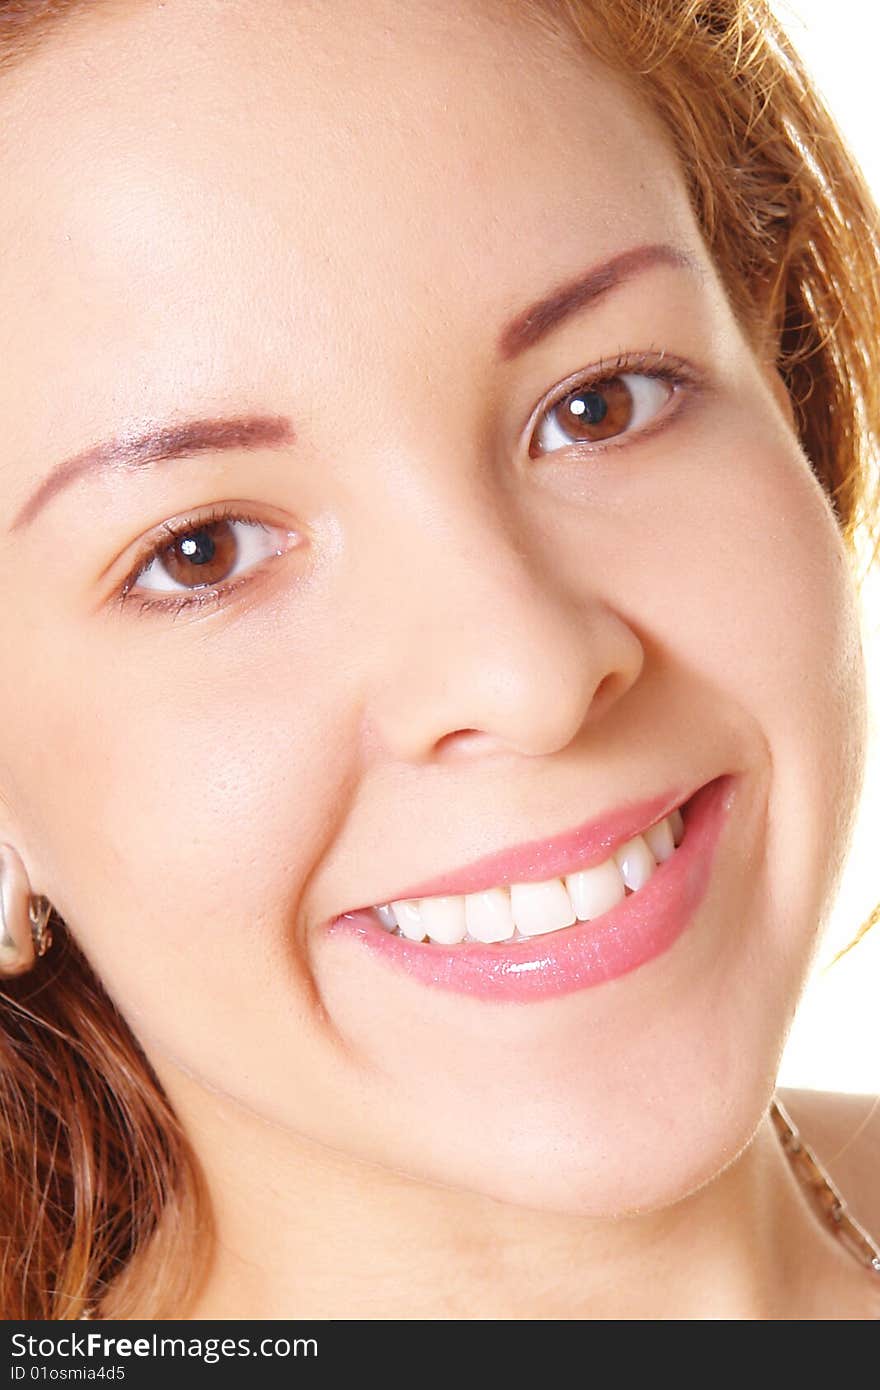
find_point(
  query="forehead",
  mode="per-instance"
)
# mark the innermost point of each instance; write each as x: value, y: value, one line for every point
x: 193, y: 195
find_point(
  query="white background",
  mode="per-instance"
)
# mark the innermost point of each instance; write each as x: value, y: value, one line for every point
x: 835, y: 1041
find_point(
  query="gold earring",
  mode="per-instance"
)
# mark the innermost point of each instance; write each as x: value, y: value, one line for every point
x: 24, y: 916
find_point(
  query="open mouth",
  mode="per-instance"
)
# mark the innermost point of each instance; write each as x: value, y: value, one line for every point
x: 522, y: 910
x: 586, y: 926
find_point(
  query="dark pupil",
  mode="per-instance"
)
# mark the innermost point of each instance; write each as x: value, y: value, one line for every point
x: 198, y: 547
x: 588, y: 407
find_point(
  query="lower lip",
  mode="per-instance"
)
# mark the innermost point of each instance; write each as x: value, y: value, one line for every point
x: 642, y: 926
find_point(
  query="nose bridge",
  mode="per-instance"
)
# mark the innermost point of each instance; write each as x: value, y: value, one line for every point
x: 476, y: 632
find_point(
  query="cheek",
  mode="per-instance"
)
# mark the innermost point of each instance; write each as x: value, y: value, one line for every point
x: 768, y: 614
x: 178, y: 818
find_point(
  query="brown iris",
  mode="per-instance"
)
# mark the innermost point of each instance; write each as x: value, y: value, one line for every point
x: 597, y: 411
x: 204, y: 554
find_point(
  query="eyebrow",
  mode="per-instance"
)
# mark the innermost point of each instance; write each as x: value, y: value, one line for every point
x: 158, y: 444
x: 528, y: 327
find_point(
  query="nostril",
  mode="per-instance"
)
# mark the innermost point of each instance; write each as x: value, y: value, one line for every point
x: 604, y: 694
x: 602, y: 687
x: 459, y: 741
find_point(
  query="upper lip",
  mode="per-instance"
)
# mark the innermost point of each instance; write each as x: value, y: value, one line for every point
x: 587, y: 844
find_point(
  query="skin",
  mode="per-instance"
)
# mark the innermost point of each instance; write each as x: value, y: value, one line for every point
x: 469, y: 648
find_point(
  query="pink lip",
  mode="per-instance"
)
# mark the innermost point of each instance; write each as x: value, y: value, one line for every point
x: 536, y: 860
x: 587, y: 953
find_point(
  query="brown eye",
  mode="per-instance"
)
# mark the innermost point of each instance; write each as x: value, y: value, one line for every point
x: 206, y: 555
x: 600, y: 410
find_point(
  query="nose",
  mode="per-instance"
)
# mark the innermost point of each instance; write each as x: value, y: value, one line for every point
x: 482, y: 644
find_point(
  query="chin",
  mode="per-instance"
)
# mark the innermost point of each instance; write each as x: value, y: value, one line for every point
x: 624, y: 1162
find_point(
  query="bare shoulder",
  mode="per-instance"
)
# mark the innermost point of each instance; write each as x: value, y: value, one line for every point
x: 843, y: 1131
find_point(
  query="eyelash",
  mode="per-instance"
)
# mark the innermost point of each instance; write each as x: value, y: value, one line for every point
x: 171, y: 532
x: 660, y: 366
x: 654, y: 364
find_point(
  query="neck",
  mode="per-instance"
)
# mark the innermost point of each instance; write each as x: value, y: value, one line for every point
x: 306, y: 1232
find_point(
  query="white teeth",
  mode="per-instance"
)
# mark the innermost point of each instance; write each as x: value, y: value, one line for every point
x: 659, y: 840
x: 409, y: 918
x: 443, y: 919
x: 594, y: 891
x: 488, y: 916
x: 636, y: 862
x: 531, y: 909
x: 541, y: 907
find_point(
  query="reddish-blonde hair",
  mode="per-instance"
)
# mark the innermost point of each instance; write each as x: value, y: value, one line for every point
x: 102, y: 1198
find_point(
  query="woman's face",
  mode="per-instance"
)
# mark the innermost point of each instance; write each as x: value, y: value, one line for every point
x: 455, y: 617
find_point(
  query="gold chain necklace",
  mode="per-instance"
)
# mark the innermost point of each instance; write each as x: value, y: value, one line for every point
x: 824, y: 1195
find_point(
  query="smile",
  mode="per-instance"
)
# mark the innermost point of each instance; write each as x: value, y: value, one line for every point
x: 535, y: 909
x: 552, y: 935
